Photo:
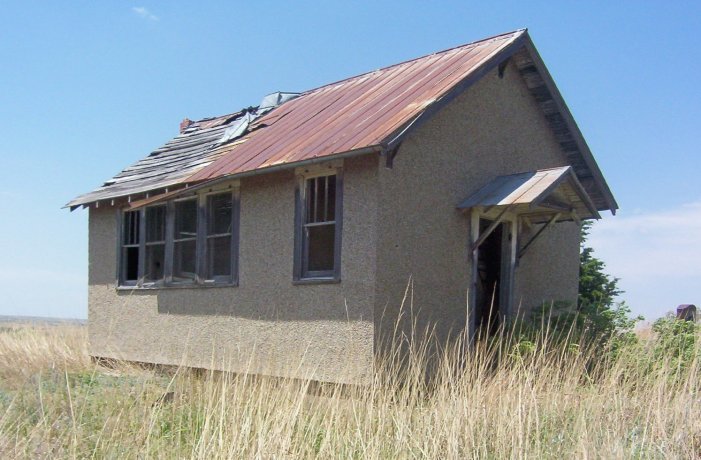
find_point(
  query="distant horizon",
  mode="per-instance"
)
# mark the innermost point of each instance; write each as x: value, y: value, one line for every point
x: 24, y: 318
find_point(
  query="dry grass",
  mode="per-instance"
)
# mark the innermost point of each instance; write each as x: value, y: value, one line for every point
x: 550, y: 402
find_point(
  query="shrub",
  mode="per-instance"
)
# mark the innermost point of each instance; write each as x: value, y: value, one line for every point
x: 676, y: 341
x: 597, y: 319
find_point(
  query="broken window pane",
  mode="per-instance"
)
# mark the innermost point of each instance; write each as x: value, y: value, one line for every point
x: 155, y: 258
x: 219, y: 226
x: 219, y: 213
x: 131, y: 263
x: 144, y: 234
x: 325, y: 195
x: 130, y: 242
x: 319, y: 227
x: 321, y: 199
x: 155, y: 223
x: 331, y: 198
x: 130, y: 228
x: 219, y: 256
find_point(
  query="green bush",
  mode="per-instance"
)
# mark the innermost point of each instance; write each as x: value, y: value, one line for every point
x: 676, y: 341
x: 597, y: 319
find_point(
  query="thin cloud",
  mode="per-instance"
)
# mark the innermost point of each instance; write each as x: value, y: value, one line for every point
x: 143, y: 13
x: 652, y: 244
x: 655, y: 254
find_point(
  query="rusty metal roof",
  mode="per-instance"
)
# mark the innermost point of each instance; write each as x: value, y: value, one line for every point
x: 539, y: 193
x: 355, y: 113
x: 371, y: 112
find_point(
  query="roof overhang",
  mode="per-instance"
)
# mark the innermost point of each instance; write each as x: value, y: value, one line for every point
x: 209, y: 184
x: 200, y: 160
x: 536, y: 195
x: 542, y: 87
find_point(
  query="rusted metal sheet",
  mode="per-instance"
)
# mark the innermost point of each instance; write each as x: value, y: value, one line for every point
x: 371, y: 112
x: 536, y: 193
x: 355, y: 113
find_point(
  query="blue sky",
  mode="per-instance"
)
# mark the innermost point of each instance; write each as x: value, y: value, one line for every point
x: 89, y: 87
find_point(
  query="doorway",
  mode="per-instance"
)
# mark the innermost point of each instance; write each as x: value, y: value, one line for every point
x: 491, y: 274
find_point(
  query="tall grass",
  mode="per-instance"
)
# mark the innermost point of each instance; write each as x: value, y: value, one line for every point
x: 494, y: 399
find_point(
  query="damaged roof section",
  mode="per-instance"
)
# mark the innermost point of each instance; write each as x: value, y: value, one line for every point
x: 369, y: 113
x: 199, y: 144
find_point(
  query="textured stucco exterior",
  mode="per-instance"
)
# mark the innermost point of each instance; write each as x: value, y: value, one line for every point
x: 400, y: 226
x: 492, y: 129
x: 266, y: 324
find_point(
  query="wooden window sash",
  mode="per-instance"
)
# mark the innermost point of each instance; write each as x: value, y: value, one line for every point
x: 304, y: 207
x: 201, y: 239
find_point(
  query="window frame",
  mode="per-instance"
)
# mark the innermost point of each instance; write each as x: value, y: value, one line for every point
x: 143, y: 244
x: 231, y: 279
x: 121, y: 248
x: 172, y: 241
x: 301, y: 273
x: 201, y: 277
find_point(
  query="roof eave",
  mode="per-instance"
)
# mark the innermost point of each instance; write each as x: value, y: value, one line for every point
x: 519, y: 43
x: 586, y: 153
x: 395, y: 138
x: 377, y: 149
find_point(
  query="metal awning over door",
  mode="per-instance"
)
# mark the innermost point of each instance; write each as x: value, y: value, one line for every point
x: 536, y: 195
x: 543, y: 196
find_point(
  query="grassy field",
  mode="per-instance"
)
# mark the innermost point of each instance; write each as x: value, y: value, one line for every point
x: 541, y: 401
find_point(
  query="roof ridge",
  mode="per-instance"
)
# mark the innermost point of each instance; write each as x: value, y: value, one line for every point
x: 227, y: 115
x: 483, y: 40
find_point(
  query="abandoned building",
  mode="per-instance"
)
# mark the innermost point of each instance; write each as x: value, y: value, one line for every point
x: 281, y: 239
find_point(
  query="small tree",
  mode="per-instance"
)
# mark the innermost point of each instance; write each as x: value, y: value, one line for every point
x: 601, y: 317
x: 597, y: 317
x: 595, y: 287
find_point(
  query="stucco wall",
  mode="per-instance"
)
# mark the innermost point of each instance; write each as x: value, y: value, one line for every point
x: 265, y: 325
x: 549, y: 270
x: 494, y: 128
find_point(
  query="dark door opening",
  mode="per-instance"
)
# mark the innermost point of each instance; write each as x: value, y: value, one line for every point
x: 489, y: 279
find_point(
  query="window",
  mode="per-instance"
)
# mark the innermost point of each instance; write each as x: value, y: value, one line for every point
x: 131, y: 229
x: 155, y: 244
x: 190, y: 241
x: 318, y: 235
x: 185, y: 241
x: 220, y: 208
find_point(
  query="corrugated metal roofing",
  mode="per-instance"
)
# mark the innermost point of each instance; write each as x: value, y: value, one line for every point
x: 533, y: 188
x: 355, y: 113
x: 368, y: 112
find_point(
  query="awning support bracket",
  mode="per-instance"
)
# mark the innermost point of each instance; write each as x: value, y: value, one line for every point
x: 552, y: 220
